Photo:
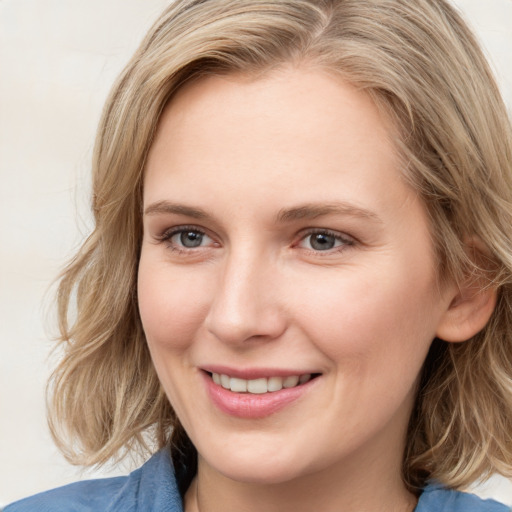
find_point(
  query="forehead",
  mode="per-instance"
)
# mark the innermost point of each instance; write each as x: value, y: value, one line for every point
x: 291, y: 126
x: 306, y: 100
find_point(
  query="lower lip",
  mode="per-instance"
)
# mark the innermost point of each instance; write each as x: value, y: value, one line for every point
x: 251, y: 406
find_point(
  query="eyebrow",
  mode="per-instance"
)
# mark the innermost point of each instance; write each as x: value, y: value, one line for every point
x: 162, y: 207
x: 313, y: 210
x: 306, y: 211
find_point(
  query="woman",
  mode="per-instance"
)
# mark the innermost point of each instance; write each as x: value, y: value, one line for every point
x: 298, y: 286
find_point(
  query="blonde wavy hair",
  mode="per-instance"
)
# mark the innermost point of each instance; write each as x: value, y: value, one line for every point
x: 421, y: 64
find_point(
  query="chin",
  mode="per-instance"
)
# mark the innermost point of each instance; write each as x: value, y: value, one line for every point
x: 260, y: 466
x: 266, y: 473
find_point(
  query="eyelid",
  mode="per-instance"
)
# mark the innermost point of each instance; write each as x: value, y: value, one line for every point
x: 345, y: 239
x: 168, y: 233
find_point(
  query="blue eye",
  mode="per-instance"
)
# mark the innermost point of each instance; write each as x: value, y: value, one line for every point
x: 324, y: 241
x: 188, y: 238
x: 321, y: 241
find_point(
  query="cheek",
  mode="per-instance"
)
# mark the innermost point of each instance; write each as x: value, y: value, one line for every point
x: 172, y: 305
x: 362, y: 317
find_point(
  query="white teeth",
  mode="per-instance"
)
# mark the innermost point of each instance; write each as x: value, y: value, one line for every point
x: 259, y: 386
x: 225, y: 381
x: 275, y: 383
x: 291, y: 382
x: 238, y: 385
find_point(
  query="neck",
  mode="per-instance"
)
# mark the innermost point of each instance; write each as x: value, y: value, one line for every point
x: 336, y: 489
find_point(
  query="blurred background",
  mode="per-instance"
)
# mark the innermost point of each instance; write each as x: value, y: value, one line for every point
x: 58, y: 59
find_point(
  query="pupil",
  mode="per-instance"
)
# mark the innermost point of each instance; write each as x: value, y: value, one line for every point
x: 322, y: 242
x: 191, y: 238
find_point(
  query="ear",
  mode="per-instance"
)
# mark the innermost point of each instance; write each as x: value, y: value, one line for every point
x: 472, y: 302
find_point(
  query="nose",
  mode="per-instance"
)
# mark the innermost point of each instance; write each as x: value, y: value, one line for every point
x: 246, y: 303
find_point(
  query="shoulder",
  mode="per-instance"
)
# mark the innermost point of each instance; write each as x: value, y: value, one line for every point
x: 436, y: 498
x: 80, y: 496
x: 150, y: 488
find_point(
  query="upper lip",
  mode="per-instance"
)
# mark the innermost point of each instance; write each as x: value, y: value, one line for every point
x: 255, y: 373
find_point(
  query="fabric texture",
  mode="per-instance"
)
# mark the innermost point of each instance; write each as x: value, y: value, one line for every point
x: 153, y: 488
x: 436, y: 498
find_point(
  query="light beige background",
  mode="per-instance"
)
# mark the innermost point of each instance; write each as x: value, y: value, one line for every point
x: 58, y: 59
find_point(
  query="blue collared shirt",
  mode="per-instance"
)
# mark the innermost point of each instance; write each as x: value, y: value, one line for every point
x: 153, y: 488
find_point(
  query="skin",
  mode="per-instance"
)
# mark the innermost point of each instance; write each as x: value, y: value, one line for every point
x: 257, y: 294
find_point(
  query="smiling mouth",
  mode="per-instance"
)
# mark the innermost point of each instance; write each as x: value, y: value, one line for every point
x: 262, y: 385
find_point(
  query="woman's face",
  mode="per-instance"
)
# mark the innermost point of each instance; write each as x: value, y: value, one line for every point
x: 283, y: 248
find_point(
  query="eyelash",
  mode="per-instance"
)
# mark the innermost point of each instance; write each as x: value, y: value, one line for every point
x: 167, y: 236
x: 345, y: 240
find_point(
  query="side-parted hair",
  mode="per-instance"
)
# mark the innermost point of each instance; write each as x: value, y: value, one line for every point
x: 422, y: 67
